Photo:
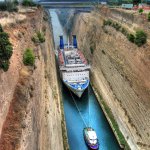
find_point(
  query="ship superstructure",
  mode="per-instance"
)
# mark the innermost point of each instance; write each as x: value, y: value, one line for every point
x: 74, y: 68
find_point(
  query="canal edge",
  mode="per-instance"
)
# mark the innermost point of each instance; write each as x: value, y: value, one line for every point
x: 63, y: 122
x: 110, y: 118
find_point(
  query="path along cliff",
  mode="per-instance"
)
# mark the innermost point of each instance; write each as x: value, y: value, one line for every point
x: 120, y: 70
x: 30, y: 107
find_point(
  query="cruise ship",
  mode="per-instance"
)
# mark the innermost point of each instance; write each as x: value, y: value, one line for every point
x: 74, y: 68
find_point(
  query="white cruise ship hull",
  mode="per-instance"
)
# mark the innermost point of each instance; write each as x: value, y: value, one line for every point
x: 74, y: 68
x: 78, y: 89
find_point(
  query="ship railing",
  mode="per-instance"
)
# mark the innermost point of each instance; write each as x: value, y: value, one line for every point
x: 76, y: 81
x: 74, y: 68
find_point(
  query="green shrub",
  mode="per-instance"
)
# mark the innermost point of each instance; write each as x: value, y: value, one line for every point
x: 1, y: 29
x: 41, y: 37
x: 140, y: 38
x: 28, y: 3
x: 116, y: 26
x: 148, y: 16
x: 5, y: 50
x: 141, y: 10
x: 28, y: 57
x: 35, y: 39
x: 124, y: 31
x: 107, y: 22
x: 9, y: 6
x: 91, y: 49
x: 131, y: 37
x: 38, y: 37
x: 5, y: 65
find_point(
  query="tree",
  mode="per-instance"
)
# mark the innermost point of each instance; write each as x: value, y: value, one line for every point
x: 140, y: 38
x: 5, y: 50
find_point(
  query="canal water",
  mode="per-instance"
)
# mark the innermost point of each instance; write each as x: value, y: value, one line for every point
x: 91, y: 112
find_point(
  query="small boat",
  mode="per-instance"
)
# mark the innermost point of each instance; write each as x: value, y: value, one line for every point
x: 90, y: 138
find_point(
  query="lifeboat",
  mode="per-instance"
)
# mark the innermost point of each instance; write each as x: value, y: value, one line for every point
x: 90, y: 138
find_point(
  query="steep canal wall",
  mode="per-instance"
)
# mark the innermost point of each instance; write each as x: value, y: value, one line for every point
x: 120, y: 73
x: 30, y: 101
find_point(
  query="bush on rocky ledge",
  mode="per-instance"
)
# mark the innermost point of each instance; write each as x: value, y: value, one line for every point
x: 38, y: 37
x: 5, y: 50
x: 140, y: 37
x: 131, y: 38
x: 28, y: 57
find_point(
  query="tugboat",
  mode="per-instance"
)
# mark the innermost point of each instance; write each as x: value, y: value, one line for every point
x: 90, y: 138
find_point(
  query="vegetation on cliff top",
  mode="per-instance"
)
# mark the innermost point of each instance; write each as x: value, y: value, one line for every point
x: 38, y: 37
x: 140, y: 37
x: 9, y: 6
x: 5, y: 50
x: 28, y: 57
x: 12, y: 5
x: 28, y: 3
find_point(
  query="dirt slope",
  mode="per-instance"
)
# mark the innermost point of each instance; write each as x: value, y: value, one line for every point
x: 121, y: 74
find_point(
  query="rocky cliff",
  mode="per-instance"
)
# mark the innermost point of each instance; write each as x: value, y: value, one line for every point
x: 30, y: 110
x: 120, y: 73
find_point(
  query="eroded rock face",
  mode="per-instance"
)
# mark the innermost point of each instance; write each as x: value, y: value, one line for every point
x: 120, y: 72
x: 30, y: 113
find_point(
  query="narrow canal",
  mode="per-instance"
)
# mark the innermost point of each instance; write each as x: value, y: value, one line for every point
x: 89, y: 107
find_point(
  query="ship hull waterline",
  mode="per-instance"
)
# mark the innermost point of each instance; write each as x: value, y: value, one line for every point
x: 75, y: 91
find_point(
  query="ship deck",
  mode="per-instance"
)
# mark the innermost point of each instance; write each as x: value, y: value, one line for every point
x: 71, y: 58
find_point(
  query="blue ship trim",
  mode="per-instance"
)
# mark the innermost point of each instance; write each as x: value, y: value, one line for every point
x: 78, y: 86
x: 75, y: 41
x: 61, y: 42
